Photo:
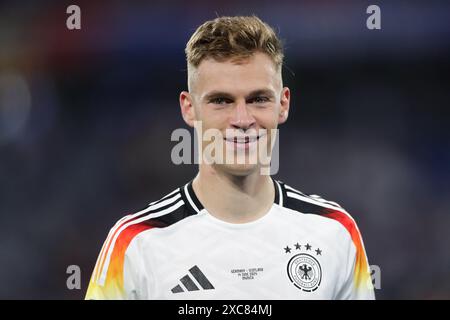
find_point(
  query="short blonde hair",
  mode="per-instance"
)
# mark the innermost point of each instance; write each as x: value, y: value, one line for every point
x: 235, y: 38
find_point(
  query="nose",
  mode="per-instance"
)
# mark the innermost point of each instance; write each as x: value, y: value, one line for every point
x: 242, y: 118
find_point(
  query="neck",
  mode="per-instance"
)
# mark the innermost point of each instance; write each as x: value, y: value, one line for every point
x: 231, y: 198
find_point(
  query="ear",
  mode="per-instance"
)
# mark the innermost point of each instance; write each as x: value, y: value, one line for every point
x: 284, y: 102
x: 187, y: 108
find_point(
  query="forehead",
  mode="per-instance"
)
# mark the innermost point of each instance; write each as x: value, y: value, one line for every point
x: 256, y: 72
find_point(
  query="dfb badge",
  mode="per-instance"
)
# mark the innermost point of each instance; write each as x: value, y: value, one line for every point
x: 304, y: 270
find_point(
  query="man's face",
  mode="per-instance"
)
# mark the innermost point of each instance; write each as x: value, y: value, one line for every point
x: 238, y: 100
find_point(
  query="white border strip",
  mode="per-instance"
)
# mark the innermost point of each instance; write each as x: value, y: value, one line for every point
x: 186, y: 191
x: 280, y: 193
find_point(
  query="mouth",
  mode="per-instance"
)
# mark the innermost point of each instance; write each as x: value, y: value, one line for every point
x: 243, y: 140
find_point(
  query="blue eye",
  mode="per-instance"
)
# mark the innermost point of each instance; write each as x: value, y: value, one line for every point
x: 220, y: 101
x: 260, y: 99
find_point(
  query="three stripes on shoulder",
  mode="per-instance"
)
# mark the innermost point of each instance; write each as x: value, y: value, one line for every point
x: 296, y: 194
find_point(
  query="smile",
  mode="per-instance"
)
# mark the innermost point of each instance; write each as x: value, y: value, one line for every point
x: 243, y: 140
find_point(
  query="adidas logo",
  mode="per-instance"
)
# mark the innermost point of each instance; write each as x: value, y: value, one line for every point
x: 189, y: 283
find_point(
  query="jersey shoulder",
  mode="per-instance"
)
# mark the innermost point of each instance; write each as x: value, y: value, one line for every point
x: 316, y: 205
x: 166, y: 211
x: 306, y: 203
x: 303, y: 203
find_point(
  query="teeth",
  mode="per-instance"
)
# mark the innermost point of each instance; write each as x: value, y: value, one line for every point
x: 242, y: 140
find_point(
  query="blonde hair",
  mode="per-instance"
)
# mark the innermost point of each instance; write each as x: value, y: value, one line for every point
x: 235, y: 38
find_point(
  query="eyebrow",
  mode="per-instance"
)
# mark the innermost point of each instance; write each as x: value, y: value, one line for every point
x: 222, y: 94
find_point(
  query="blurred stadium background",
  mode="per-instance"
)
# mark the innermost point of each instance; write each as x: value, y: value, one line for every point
x: 86, y: 118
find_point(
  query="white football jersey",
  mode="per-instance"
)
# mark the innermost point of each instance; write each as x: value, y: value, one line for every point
x: 304, y: 248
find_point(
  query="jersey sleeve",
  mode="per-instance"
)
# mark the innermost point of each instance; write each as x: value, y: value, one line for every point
x: 357, y: 284
x: 116, y: 273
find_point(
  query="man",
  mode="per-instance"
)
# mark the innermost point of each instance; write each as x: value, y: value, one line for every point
x: 234, y: 232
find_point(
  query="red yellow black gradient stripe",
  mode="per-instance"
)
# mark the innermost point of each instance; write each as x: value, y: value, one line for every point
x: 362, y: 273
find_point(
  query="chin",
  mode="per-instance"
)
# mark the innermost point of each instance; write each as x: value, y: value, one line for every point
x: 240, y: 170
